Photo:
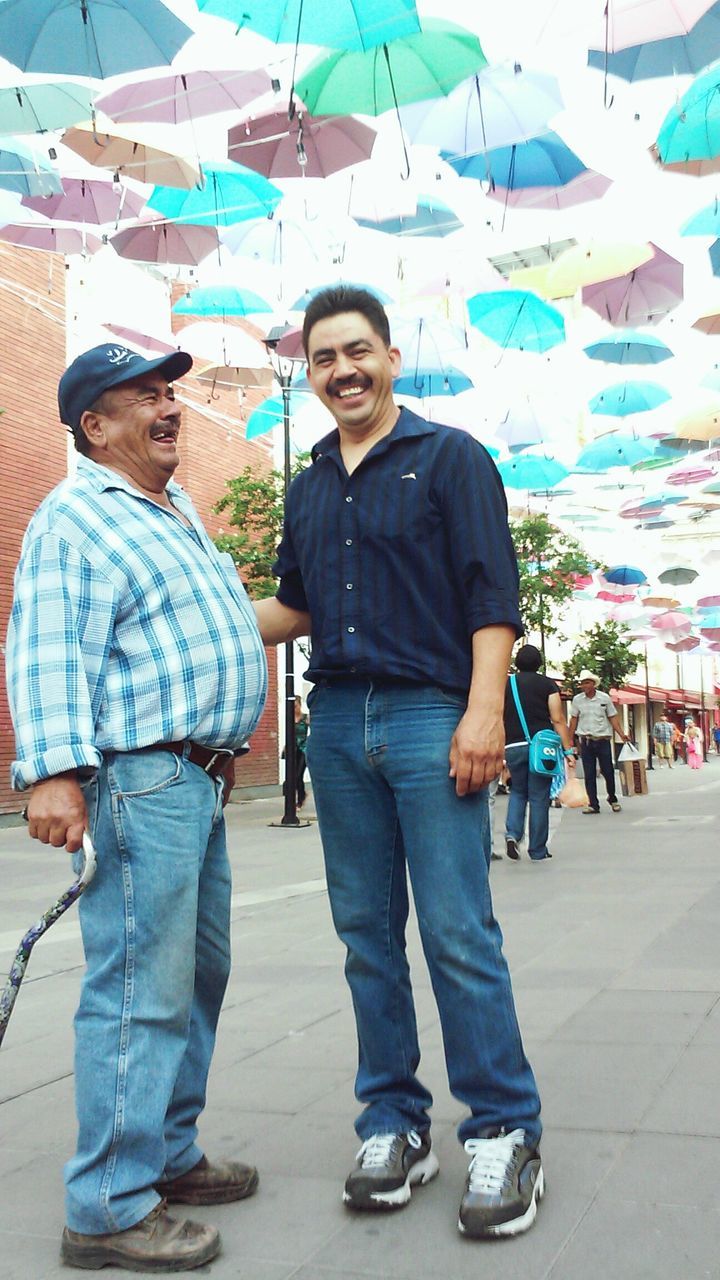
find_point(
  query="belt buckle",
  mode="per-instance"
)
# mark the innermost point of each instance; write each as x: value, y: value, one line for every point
x: 223, y: 751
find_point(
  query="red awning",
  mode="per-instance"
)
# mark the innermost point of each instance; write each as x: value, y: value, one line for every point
x: 679, y: 699
x: 626, y: 696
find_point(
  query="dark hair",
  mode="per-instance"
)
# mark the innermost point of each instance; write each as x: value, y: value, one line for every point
x: 341, y: 298
x: 528, y: 658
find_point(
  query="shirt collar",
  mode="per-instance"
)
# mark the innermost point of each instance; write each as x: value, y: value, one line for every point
x: 408, y: 425
x: 103, y: 478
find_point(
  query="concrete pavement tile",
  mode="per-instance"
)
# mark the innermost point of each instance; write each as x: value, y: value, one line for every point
x: 281, y: 1090
x: 599, y: 1086
x: 642, y: 977
x: 33, y: 1257
x: 287, y: 1221
x: 43, y: 1119
x: 709, y: 1030
x: 31, y: 1066
x: 688, y: 1100
x: 666, y: 1169
x: 597, y: 1026
x: 32, y: 1204
x: 638, y: 1241
x: 541, y: 1010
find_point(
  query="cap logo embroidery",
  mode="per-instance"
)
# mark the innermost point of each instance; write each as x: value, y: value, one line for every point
x: 410, y: 476
x: 121, y: 355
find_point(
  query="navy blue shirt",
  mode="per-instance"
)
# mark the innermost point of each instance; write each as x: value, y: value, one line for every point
x: 399, y: 563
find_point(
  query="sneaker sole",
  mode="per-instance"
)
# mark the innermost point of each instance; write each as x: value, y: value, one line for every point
x: 515, y: 1226
x: 422, y: 1172
x: 95, y: 1259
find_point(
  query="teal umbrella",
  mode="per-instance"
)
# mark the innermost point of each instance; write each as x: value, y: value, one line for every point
x: 231, y: 193
x: 515, y: 318
x: 617, y: 449
x: 531, y: 471
x: 706, y: 222
x: 221, y: 300
x: 36, y: 108
x: 426, y: 65
x: 425, y: 382
x: 629, y: 397
x: 344, y: 24
x: 269, y: 413
x: 431, y: 218
x: 630, y: 347
x: 21, y: 170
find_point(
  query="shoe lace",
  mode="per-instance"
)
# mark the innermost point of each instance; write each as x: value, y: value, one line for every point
x: 377, y: 1150
x: 493, y: 1161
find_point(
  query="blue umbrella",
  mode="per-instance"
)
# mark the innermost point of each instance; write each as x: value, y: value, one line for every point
x: 530, y: 471
x: 630, y: 347
x: 546, y: 161
x: 676, y: 55
x: 344, y: 24
x: 433, y: 382
x: 431, y: 218
x: 515, y: 318
x: 35, y: 108
x: 706, y: 222
x: 21, y: 170
x: 301, y: 303
x: 625, y: 575
x: 231, y: 194
x: 269, y: 414
x: 629, y: 397
x: 89, y: 37
x: 221, y: 300
x: 714, y: 252
x: 691, y: 130
x: 617, y: 449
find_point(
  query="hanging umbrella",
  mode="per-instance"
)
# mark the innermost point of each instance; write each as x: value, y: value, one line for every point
x: 51, y: 239
x: 306, y: 146
x: 521, y: 426
x: 691, y: 128
x: 629, y: 348
x: 21, y: 170
x: 710, y: 621
x: 302, y: 302
x: 682, y: 646
x: 37, y: 108
x: 426, y: 342
x: 532, y: 471
x: 222, y: 344
x: 679, y: 55
x: 700, y: 423
x: 513, y: 318
x: 710, y: 324
x: 231, y: 193
x: 89, y: 200
x: 678, y: 576
x: 642, y: 296
x: 269, y: 414
x: 617, y: 449
x: 432, y: 382
x: 431, y: 218
x: 593, y: 261
x: 709, y: 602
x: 344, y: 24
x: 226, y: 376
x: 625, y: 575
x: 127, y: 152
x: 629, y: 397
x: 627, y: 22
x: 690, y: 473
x: 705, y: 223
x: 671, y: 621
x: 221, y: 300
x: 166, y: 243
x: 286, y: 241
x: 184, y: 96
x: 96, y: 38
x: 588, y: 185
x: 541, y: 162
x: 425, y: 65
x: 499, y: 106
x: 147, y: 341
x: 660, y: 602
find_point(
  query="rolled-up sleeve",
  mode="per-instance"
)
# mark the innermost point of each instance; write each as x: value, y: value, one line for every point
x: 291, y: 590
x: 58, y: 642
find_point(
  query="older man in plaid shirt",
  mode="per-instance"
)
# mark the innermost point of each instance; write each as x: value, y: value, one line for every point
x: 135, y: 672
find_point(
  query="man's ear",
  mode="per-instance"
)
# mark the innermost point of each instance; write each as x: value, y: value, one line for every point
x: 92, y: 425
x: 395, y: 361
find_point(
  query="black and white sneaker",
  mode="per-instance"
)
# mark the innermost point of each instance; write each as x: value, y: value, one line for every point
x: 511, y: 848
x: 504, y: 1186
x: 388, y: 1166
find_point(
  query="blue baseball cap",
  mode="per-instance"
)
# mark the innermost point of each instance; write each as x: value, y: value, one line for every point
x: 106, y: 366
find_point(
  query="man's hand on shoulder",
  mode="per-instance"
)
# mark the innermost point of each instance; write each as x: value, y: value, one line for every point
x: 476, y: 752
x: 56, y: 812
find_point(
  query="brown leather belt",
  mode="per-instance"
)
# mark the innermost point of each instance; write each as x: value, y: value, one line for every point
x: 212, y: 761
x: 589, y: 737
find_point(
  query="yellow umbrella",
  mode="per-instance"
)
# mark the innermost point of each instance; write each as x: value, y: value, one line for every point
x: 593, y: 261
x: 536, y: 279
x: 134, y: 153
x: 700, y: 423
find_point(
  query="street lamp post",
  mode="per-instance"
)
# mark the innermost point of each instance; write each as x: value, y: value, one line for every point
x: 648, y: 714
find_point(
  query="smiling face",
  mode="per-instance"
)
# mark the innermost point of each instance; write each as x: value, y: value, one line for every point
x: 134, y: 430
x: 351, y: 370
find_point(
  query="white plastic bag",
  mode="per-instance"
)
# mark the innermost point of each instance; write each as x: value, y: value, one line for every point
x: 629, y: 752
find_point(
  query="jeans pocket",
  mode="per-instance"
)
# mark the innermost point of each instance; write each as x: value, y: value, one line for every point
x: 143, y: 773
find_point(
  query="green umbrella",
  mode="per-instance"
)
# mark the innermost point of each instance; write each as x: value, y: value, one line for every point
x: 35, y: 108
x: 426, y: 65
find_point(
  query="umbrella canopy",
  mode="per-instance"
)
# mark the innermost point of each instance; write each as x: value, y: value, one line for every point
x: 269, y: 413
x: 51, y: 239
x: 671, y: 621
x: 514, y: 318
x: 629, y: 22
x: 432, y: 382
x: 660, y: 602
x: 531, y: 471
x: 710, y: 620
x: 426, y: 65
x: 625, y: 575
x: 679, y: 55
x: 593, y: 261
x: 231, y: 193
x: 166, y: 243
x: 309, y: 146
x: 36, y: 108
x: 691, y: 128
x: 127, y: 152
x: 90, y: 200
x: 499, y: 106
x: 541, y: 162
x: 223, y: 344
x: 617, y: 449
x: 431, y: 218
x: 710, y: 324
x: 224, y: 375
x: 705, y: 223
x: 521, y: 426
x: 281, y: 240
x: 21, y: 170
x: 678, y: 576
x: 344, y: 24
x: 184, y: 96
x: 427, y: 343
x: 683, y: 646
x: 709, y: 602
x: 147, y: 341
x: 221, y: 300
x: 700, y: 423
x: 97, y: 38
x: 629, y: 397
x: 588, y: 185
x: 302, y: 302
x: 629, y: 348
x: 642, y: 296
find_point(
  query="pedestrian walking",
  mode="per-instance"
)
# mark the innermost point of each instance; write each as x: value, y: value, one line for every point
x: 594, y: 717
x: 694, y: 745
x: 396, y: 543
x: 135, y: 671
x: 716, y: 738
x: 302, y: 726
x: 663, y: 732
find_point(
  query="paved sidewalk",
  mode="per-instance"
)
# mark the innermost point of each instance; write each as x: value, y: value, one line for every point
x: 615, y: 954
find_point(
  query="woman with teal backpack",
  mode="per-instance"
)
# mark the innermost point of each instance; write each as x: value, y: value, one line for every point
x: 533, y: 710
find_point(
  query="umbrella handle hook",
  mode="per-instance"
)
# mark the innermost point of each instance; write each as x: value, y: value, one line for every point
x: 403, y: 176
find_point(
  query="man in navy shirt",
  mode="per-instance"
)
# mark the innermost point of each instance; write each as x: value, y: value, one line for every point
x: 396, y: 550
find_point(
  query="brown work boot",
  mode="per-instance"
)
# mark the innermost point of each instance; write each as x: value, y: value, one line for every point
x: 156, y: 1243
x: 211, y: 1183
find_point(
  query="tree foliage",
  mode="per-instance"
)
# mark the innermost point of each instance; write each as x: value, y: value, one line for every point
x: 604, y: 651
x: 254, y: 504
x: 547, y: 560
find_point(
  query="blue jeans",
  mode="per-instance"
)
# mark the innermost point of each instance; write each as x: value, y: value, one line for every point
x: 155, y: 925
x: 527, y: 789
x: 594, y: 753
x: 378, y: 757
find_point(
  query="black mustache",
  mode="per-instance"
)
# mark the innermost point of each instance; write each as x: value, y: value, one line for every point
x: 348, y: 382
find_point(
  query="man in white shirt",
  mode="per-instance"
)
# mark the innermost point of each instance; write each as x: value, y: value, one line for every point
x: 594, y: 717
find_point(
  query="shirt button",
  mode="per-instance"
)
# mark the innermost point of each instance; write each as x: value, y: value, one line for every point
x: 348, y: 499
x: 348, y: 542
x: 353, y: 669
x: 351, y: 630
x: 348, y: 586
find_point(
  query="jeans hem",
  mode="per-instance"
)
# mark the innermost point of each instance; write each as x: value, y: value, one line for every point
x: 119, y: 1223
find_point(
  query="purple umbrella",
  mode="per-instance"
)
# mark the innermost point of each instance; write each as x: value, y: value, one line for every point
x: 144, y: 340
x: 180, y: 98
x: 588, y: 185
x: 309, y: 146
x: 642, y: 296
x: 165, y: 242
x: 88, y: 200
x: 51, y: 239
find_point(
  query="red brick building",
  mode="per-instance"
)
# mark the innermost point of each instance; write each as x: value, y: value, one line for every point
x: 34, y: 458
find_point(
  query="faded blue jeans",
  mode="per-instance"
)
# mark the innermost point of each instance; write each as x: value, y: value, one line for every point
x: 155, y: 925
x: 527, y: 790
x: 378, y: 757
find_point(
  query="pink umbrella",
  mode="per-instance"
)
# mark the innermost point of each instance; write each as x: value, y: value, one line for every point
x: 683, y: 646
x: 310, y: 146
x: 166, y: 242
x: 628, y: 22
x: 622, y: 597
x: 185, y: 96
x: 51, y: 239
x: 708, y: 602
x: 588, y: 185
x: 671, y: 620
x: 88, y: 200
x: 144, y: 340
x: 643, y: 296
x: 691, y: 473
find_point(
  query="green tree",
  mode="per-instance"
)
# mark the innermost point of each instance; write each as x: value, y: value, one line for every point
x: 254, y: 503
x: 547, y: 560
x: 604, y: 651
